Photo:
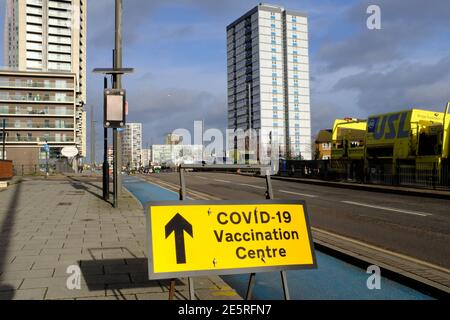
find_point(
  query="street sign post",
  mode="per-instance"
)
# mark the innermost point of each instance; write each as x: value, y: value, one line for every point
x: 196, y: 238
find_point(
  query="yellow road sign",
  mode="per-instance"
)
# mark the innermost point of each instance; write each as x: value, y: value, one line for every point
x: 192, y: 238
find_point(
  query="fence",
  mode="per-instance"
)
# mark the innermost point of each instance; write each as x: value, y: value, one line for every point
x: 420, y: 175
x: 41, y: 169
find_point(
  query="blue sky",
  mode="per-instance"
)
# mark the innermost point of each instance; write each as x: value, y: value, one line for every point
x: 178, y: 49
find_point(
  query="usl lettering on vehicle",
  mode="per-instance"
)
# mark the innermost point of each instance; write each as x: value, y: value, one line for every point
x: 385, y: 127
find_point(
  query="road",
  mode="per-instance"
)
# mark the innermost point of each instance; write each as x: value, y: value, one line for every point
x: 418, y: 227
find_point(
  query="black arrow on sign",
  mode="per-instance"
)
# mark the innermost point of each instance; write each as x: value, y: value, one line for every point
x: 179, y: 225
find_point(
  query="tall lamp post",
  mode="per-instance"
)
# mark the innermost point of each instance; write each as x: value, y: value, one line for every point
x: 116, y: 72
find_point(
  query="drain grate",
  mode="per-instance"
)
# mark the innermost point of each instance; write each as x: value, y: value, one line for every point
x: 65, y: 204
x: 75, y: 193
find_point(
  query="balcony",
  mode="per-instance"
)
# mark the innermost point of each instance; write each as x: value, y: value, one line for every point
x: 59, y: 49
x: 59, y: 31
x: 39, y: 139
x: 59, y: 40
x: 59, y: 5
x: 60, y: 57
x: 59, y: 14
x: 36, y: 85
x: 35, y: 98
x: 37, y: 112
x: 34, y: 19
x: 35, y: 2
x: 23, y: 125
x: 34, y: 11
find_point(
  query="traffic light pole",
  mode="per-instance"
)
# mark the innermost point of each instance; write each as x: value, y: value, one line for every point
x: 117, y: 84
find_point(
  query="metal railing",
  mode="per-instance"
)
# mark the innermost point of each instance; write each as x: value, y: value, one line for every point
x: 37, y: 112
x: 35, y: 98
x: 36, y: 84
x: 419, y: 175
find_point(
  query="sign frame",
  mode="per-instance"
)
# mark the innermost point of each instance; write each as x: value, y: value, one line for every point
x: 113, y: 123
x: 198, y: 273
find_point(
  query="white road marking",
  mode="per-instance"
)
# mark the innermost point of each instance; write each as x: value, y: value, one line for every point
x: 252, y: 186
x: 422, y: 214
x: 298, y: 194
x: 224, y: 181
x: 202, y: 178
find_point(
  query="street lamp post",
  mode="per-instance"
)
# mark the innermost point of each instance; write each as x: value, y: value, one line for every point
x: 117, y: 71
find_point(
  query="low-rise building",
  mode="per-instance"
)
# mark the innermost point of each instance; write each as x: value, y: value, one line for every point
x: 39, y: 109
x: 173, y: 155
x: 323, y: 145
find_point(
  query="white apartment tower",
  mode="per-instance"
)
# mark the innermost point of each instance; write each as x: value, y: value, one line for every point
x: 268, y: 78
x: 132, y: 145
x: 50, y: 36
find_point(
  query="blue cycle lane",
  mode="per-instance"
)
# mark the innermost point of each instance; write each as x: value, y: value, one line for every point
x: 333, y: 280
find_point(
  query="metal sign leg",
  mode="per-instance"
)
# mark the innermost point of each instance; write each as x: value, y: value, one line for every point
x: 251, y: 284
x: 191, y: 289
x: 285, y: 286
x: 172, y: 289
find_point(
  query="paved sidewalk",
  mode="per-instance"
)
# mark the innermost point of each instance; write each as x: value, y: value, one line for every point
x: 48, y: 225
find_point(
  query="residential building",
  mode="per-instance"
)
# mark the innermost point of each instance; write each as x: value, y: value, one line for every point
x: 173, y: 139
x: 50, y: 36
x: 39, y: 108
x: 174, y: 155
x: 268, y: 79
x: 132, y: 145
x: 146, y: 156
x: 323, y: 145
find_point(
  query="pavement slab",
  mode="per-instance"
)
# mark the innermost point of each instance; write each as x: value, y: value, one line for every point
x: 48, y: 226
